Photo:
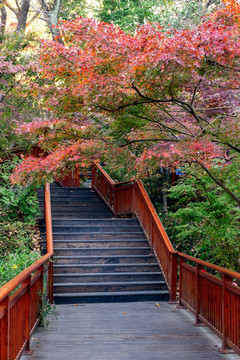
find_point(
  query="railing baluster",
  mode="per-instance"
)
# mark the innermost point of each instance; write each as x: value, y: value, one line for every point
x: 198, y: 295
x: 225, y: 313
x: 173, y: 286
x: 181, y: 262
x: 5, y: 330
x: 28, y: 314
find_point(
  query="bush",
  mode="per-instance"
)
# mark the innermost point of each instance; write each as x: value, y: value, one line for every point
x: 16, y: 203
x: 204, y: 222
x: 19, y: 235
x: 12, y: 264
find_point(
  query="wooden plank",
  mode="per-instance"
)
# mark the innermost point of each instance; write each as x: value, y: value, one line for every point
x: 124, y: 331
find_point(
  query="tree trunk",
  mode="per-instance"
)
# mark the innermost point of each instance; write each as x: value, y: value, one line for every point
x: 3, y: 20
x: 22, y: 20
x: 51, y: 17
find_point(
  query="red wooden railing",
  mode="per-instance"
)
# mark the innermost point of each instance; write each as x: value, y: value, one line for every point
x: 214, y: 299
x: 19, y: 309
x: 131, y: 198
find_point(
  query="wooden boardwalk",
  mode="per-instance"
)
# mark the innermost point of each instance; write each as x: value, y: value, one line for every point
x: 124, y: 331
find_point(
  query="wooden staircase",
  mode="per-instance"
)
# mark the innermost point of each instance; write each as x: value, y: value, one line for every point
x: 99, y: 258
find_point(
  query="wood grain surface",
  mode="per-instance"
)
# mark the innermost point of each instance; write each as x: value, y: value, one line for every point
x: 124, y: 331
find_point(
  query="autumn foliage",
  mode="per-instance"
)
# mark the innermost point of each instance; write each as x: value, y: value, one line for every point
x: 167, y: 97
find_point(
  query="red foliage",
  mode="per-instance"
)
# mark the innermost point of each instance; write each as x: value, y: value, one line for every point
x: 177, y: 92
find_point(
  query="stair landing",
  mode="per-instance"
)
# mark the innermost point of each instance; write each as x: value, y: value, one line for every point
x: 124, y: 331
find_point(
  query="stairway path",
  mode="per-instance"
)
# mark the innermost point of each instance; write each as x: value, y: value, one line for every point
x: 98, y: 258
x: 124, y: 331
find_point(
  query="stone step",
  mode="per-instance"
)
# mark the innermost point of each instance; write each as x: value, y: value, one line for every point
x: 123, y: 296
x: 59, y: 229
x: 109, y: 286
x: 108, y: 277
x: 104, y: 268
x: 96, y: 236
x: 113, y: 259
x: 101, y: 244
x: 95, y: 222
x: 101, y: 251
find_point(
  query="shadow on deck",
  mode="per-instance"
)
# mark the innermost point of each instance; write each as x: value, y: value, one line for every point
x: 124, y: 331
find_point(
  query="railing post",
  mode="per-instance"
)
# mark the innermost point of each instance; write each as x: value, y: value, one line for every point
x: 48, y: 218
x: 173, y: 285
x: 198, y: 295
x: 181, y: 262
x: 28, y: 350
x: 93, y: 176
x: 225, y: 314
x: 5, y: 330
x: 151, y: 236
x: 114, y: 201
x: 50, y: 281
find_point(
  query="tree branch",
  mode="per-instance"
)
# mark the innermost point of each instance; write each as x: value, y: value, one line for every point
x: 218, y: 182
x: 147, y: 140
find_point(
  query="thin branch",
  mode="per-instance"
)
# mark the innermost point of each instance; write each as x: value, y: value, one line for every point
x: 35, y: 16
x: 147, y: 140
x: 195, y: 91
x: 218, y: 182
x: 6, y: 3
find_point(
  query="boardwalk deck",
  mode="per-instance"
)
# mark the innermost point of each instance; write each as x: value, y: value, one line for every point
x: 124, y: 331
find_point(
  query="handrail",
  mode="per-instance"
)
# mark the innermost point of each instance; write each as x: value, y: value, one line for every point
x: 107, y: 177
x: 215, y: 301
x: 19, y: 311
x: 160, y: 243
x: 230, y: 273
x: 155, y: 215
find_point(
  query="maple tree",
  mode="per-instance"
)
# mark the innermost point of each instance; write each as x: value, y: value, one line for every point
x: 169, y: 98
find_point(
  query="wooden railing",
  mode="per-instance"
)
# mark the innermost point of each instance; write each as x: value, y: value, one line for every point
x: 209, y: 291
x: 214, y: 299
x: 116, y: 195
x: 20, y: 298
x: 131, y: 198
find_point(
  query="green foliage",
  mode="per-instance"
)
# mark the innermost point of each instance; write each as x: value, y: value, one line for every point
x: 12, y: 264
x: 184, y: 14
x: 17, y: 81
x: 129, y: 14
x: 204, y: 222
x: 16, y: 202
x: 45, y: 309
x: 157, y: 184
x: 70, y: 9
x: 17, y: 235
x: 169, y: 13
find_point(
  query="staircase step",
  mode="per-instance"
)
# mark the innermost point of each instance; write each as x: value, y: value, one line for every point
x: 94, y: 229
x: 101, y: 251
x: 124, y: 296
x: 83, y: 215
x: 109, y: 286
x: 104, y: 268
x: 103, y: 244
x: 96, y: 222
x: 98, y: 258
x: 113, y: 259
x: 107, y: 277
x: 97, y: 237
x: 79, y: 207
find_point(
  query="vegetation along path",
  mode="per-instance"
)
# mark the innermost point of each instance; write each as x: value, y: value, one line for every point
x: 124, y: 331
